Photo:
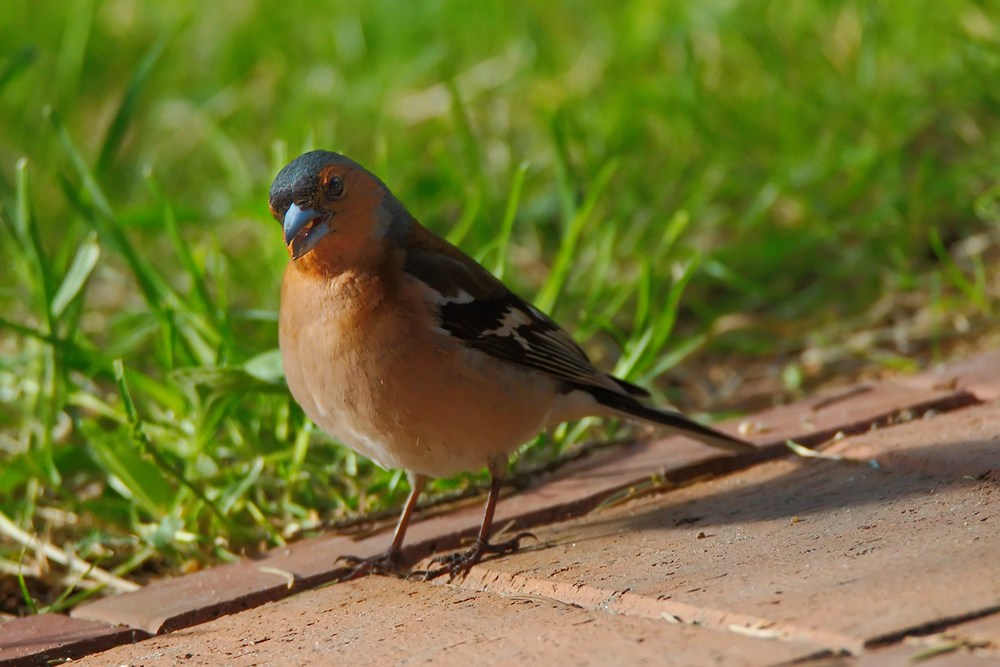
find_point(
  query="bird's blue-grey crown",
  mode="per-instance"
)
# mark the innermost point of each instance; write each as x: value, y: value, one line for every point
x: 298, y: 181
x: 305, y: 214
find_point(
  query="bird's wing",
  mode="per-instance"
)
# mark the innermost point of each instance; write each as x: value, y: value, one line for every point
x: 476, y: 308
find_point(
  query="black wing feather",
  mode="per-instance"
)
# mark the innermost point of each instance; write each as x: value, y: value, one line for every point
x: 479, y: 310
x: 511, y: 329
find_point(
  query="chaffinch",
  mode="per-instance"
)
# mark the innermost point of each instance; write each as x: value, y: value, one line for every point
x: 397, y: 343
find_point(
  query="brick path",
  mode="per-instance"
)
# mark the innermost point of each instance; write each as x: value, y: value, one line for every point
x: 765, y: 560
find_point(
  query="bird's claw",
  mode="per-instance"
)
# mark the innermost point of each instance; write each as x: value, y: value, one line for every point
x: 459, y: 563
x: 389, y: 563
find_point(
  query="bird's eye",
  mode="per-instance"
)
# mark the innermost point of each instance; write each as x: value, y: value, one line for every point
x: 335, y: 188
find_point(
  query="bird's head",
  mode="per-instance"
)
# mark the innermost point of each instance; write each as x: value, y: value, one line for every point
x: 330, y: 204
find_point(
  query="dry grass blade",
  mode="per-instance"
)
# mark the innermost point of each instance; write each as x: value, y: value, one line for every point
x: 807, y: 453
x: 74, y: 563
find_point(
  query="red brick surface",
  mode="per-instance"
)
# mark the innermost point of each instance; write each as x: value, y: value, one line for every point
x: 790, y: 560
x: 973, y: 643
x: 174, y: 603
x: 851, y: 410
x: 784, y: 560
x: 953, y: 446
x: 392, y: 622
x: 979, y: 375
x: 982, y: 632
x: 835, y: 553
x: 914, y: 653
x: 48, y: 638
x: 574, y: 490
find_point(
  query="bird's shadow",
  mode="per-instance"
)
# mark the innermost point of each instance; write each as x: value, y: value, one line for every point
x: 801, y: 488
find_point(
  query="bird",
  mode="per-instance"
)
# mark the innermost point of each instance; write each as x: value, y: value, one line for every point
x: 400, y: 345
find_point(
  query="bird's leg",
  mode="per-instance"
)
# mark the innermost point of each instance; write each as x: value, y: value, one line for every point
x: 389, y: 562
x: 461, y: 562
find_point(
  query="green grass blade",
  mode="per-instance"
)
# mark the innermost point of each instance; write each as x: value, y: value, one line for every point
x: 202, y: 296
x: 29, y: 599
x: 571, y: 236
x: 238, y: 490
x: 509, y: 215
x: 130, y: 99
x: 138, y: 434
x: 300, y: 450
x: 77, y: 30
x: 48, y: 399
x: 17, y: 63
x: 470, y: 212
x: 79, y: 272
x: 135, y: 478
x: 27, y: 233
x: 76, y: 356
x: 972, y: 289
x: 154, y: 290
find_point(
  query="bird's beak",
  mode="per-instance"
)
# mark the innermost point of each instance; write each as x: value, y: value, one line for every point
x: 303, y: 228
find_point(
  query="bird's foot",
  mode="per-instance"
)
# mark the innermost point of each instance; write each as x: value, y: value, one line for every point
x: 460, y: 562
x: 390, y: 563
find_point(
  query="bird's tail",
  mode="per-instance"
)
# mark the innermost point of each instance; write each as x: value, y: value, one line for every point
x: 628, y: 407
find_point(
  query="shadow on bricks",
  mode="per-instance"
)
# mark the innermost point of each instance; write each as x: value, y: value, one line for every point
x: 795, y: 489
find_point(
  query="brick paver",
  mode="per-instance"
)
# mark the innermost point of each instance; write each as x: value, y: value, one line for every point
x: 970, y: 644
x: 392, y: 622
x: 979, y: 375
x: 778, y: 561
x: 49, y: 638
x: 171, y: 604
x: 790, y: 560
x: 836, y: 553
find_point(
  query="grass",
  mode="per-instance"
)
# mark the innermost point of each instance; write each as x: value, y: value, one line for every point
x: 714, y: 196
